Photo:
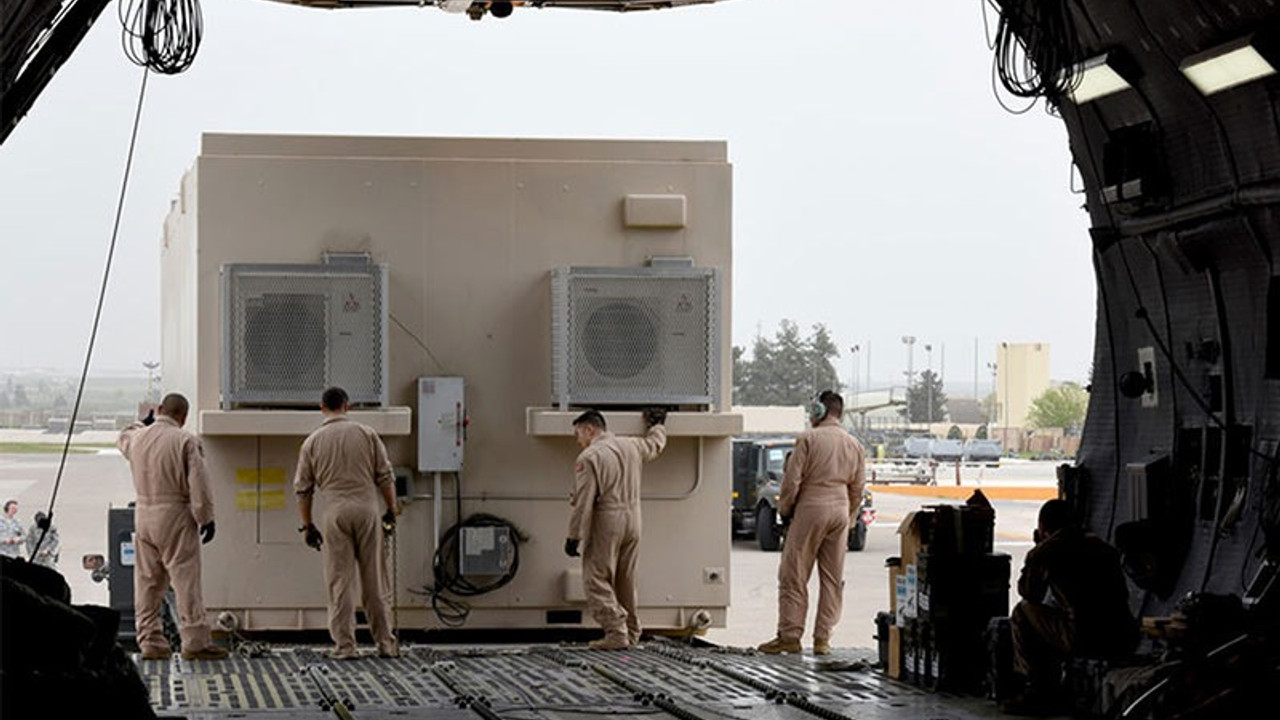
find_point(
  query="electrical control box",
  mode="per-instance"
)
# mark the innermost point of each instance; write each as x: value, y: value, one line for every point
x: 486, y: 550
x: 442, y: 424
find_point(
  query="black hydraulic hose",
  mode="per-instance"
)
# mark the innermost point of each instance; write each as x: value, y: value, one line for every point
x: 97, y: 315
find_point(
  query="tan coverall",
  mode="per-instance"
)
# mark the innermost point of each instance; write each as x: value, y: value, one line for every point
x: 821, y: 491
x: 605, y: 517
x: 173, y: 501
x: 346, y: 463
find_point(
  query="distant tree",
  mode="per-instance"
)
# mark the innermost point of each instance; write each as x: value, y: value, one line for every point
x: 741, y: 372
x: 955, y: 433
x: 20, y: 396
x: 821, y: 350
x: 927, y: 388
x: 981, y: 432
x: 787, y: 369
x: 1063, y: 406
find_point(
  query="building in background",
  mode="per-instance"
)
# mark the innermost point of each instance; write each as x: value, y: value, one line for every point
x: 1022, y: 374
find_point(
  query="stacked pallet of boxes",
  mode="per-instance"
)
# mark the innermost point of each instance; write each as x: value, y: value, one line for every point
x: 945, y: 586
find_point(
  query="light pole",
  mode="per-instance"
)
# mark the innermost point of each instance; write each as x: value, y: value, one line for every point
x: 853, y: 385
x: 868, y: 385
x: 1004, y: 435
x: 151, y: 377
x: 928, y: 349
x: 993, y: 406
x: 910, y: 342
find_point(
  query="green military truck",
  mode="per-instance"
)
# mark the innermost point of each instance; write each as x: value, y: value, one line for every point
x: 757, y: 480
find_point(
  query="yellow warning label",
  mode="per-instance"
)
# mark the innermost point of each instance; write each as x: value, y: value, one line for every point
x: 260, y: 500
x: 267, y: 492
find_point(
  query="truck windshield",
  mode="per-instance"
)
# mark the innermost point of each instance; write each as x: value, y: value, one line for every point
x: 774, y: 457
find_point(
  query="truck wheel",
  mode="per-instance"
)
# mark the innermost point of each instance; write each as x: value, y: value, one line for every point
x: 858, y: 536
x: 767, y: 531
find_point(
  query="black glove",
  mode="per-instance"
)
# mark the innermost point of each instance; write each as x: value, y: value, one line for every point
x: 206, y: 533
x: 571, y: 547
x: 150, y: 418
x: 655, y: 416
x: 389, y: 522
x: 313, y: 536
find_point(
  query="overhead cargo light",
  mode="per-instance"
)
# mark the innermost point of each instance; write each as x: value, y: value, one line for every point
x: 1235, y: 63
x: 1098, y: 77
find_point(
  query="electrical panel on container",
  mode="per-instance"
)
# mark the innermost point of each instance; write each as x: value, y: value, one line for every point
x: 442, y: 424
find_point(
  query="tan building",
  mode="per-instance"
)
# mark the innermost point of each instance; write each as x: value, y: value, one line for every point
x: 1022, y: 374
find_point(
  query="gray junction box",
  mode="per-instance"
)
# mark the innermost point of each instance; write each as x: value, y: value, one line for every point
x: 442, y: 424
x: 486, y: 551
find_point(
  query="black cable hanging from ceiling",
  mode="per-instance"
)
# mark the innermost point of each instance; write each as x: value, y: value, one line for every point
x: 163, y: 35
x: 1037, y: 48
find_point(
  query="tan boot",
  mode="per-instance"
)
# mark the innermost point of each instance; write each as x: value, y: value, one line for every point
x: 390, y: 651
x: 780, y: 645
x: 212, y: 652
x: 821, y: 646
x: 342, y: 654
x: 610, y: 642
x: 157, y: 654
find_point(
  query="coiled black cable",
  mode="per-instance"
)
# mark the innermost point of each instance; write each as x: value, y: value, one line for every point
x: 447, y: 572
x: 1037, y: 48
x: 163, y: 35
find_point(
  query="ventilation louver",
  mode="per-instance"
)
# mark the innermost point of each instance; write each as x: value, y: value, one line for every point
x: 635, y: 336
x: 290, y: 331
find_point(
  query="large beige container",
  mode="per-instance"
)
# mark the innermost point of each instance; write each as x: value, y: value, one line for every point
x: 471, y: 230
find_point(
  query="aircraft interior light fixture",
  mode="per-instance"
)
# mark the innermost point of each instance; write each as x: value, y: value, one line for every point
x: 1098, y: 77
x: 1235, y: 63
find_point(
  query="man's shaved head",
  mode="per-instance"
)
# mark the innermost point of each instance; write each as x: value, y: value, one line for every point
x: 174, y: 406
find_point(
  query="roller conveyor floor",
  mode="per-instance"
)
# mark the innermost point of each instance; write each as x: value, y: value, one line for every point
x: 659, y: 679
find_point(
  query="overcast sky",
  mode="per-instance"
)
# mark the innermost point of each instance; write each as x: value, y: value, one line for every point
x: 879, y: 187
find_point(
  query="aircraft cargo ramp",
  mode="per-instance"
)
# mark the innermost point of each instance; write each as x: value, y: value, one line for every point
x: 661, y: 678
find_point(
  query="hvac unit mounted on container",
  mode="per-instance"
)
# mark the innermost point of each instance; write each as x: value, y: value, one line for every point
x: 636, y: 335
x: 290, y: 331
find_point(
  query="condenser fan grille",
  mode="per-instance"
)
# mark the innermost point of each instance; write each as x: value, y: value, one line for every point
x: 628, y: 336
x: 620, y: 339
x: 290, y: 331
x: 284, y: 342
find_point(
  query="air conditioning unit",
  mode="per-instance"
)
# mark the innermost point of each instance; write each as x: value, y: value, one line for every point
x: 290, y: 331
x: 635, y: 336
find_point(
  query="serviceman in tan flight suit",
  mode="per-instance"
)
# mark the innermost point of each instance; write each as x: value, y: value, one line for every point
x: 604, y: 520
x: 173, y: 516
x: 346, y: 463
x: 822, y: 494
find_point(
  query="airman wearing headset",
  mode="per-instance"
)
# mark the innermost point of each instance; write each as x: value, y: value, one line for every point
x: 821, y: 494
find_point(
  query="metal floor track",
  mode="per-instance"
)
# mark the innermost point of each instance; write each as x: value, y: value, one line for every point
x: 659, y: 679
